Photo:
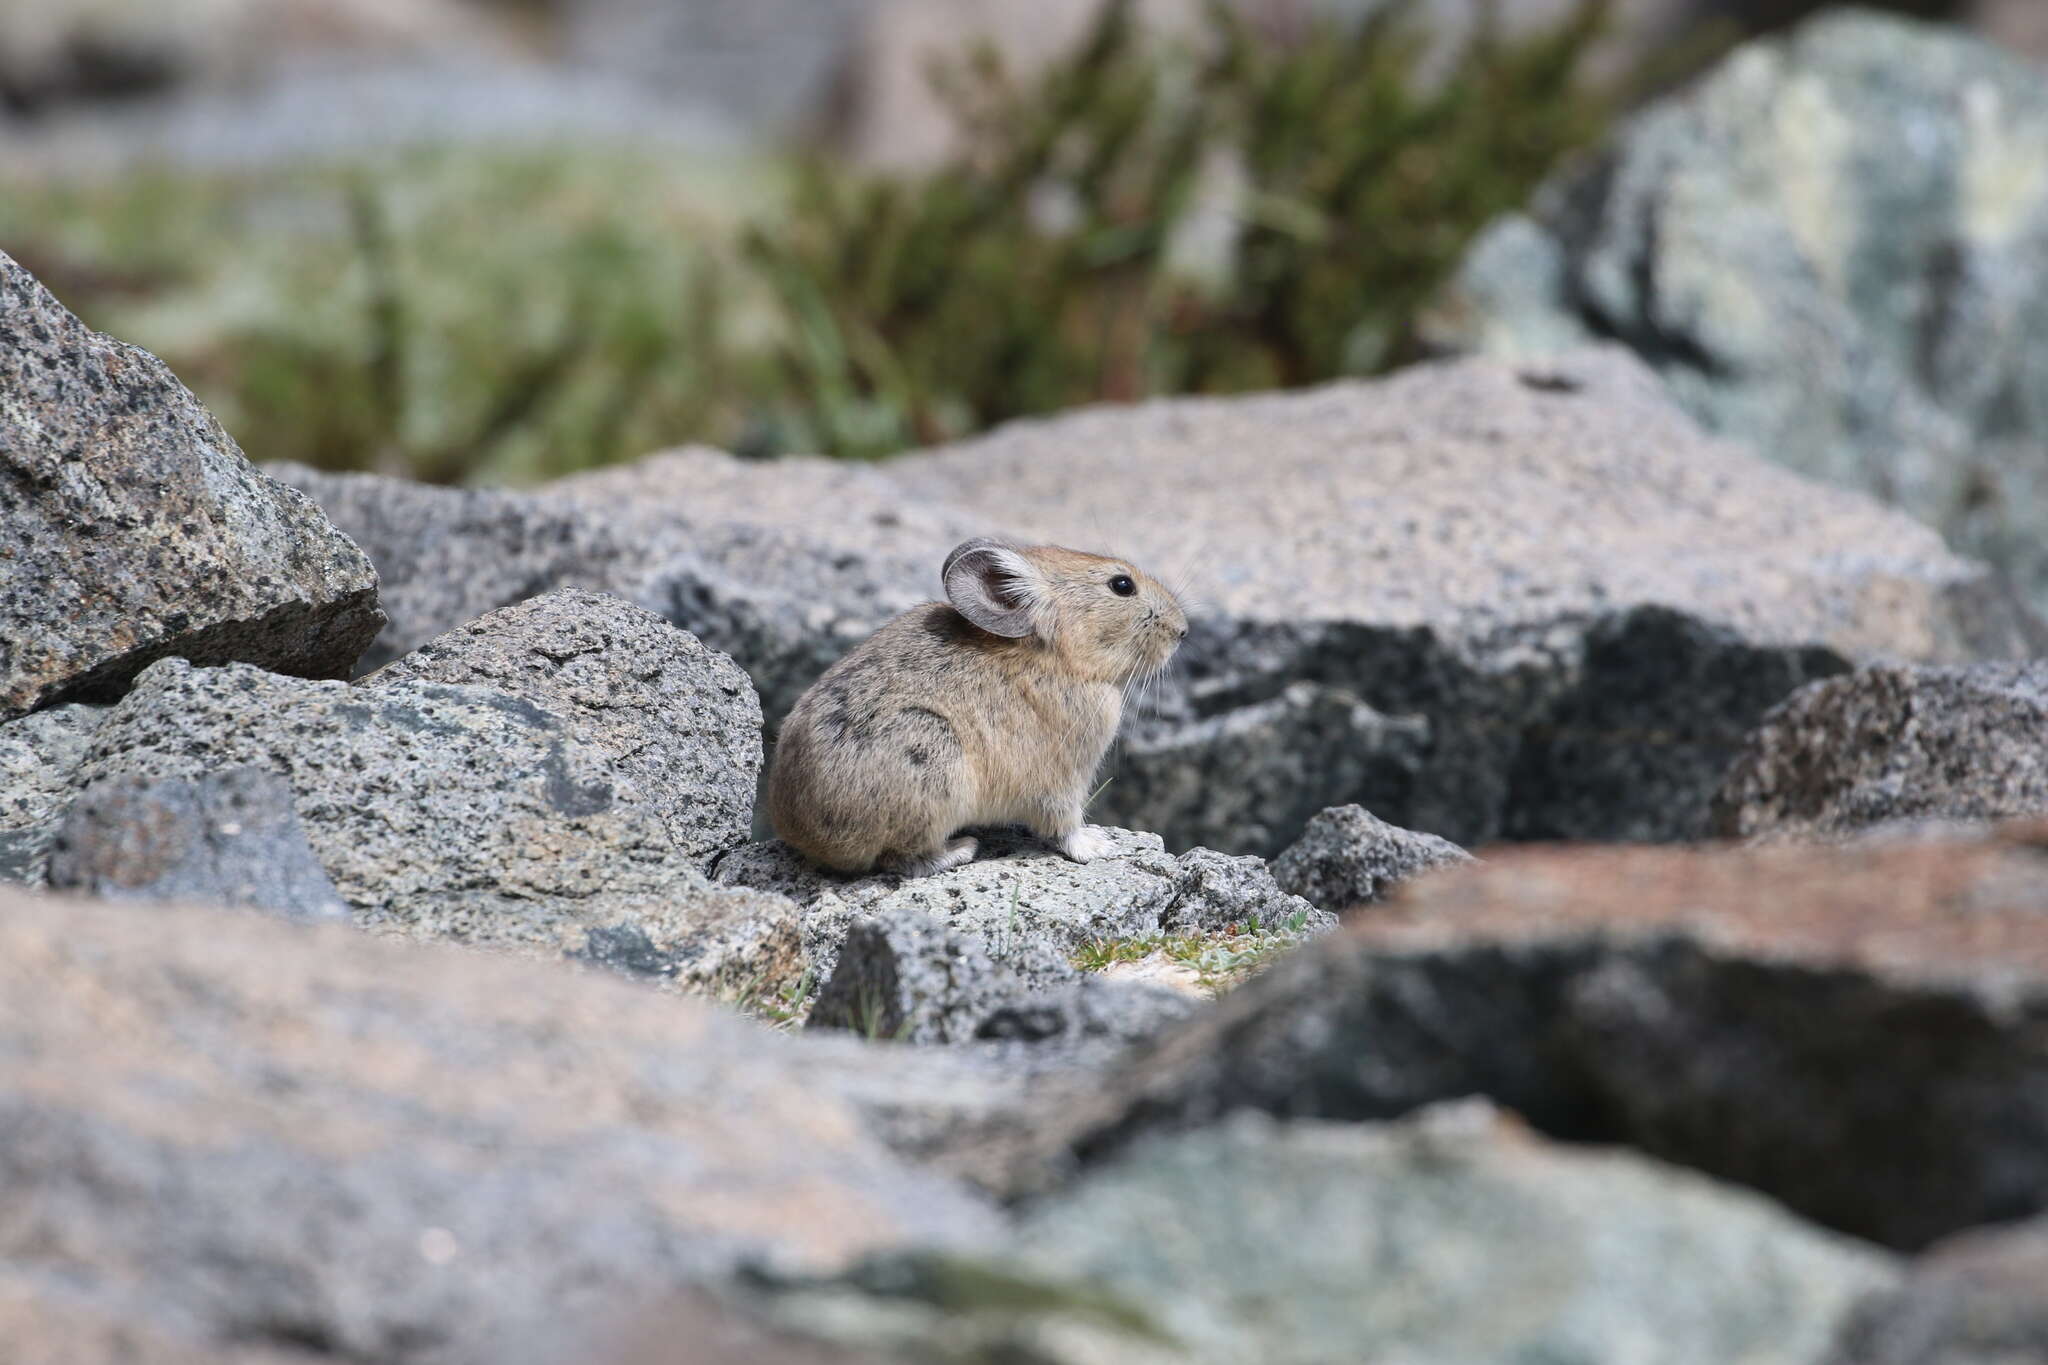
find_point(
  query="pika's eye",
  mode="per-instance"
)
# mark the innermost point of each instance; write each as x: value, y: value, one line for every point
x: 1122, y: 585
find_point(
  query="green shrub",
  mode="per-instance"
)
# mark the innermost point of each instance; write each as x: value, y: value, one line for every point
x: 1046, y: 265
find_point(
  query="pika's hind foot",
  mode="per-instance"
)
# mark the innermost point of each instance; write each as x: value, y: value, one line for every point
x: 956, y: 853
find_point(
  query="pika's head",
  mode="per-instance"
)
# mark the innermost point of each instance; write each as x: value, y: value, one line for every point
x: 1104, y: 619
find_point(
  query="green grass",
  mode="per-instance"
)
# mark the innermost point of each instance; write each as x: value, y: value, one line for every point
x: 489, y: 317
x: 1220, y: 960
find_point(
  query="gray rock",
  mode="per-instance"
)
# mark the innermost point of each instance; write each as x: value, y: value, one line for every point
x: 784, y: 566
x: 446, y: 556
x: 1754, y: 1013
x: 1453, y: 1236
x: 462, y: 812
x: 907, y: 977
x: 1393, y: 618
x: 37, y: 755
x: 1349, y: 857
x: 1213, y: 891
x: 1973, y: 1299
x: 228, y: 838
x: 1253, y: 775
x: 303, y: 1142
x: 1022, y: 902
x: 1316, y: 1242
x: 1835, y: 247
x: 681, y: 720
x: 1887, y: 745
x: 135, y: 530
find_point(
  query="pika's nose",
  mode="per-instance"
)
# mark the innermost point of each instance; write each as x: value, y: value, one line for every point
x: 1182, y: 633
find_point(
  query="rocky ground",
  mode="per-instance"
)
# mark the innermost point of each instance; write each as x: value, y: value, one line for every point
x: 393, y: 969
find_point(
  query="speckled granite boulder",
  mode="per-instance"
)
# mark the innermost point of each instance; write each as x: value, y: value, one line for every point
x: 680, y: 719
x: 37, y: 755
x: 132, y: 529
x: 1350, y: 857
x: 1643, y: 996
x: 1888, y: 745
x: 1833, y: 246
x: 907, y: 977
x: 1022, y: 900
x: 559, y: 795
x: 300, y: 1143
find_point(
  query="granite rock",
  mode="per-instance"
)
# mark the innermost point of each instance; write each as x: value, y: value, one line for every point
x: 1306, y: 1242
x: 1349, y: 857
x: 37, y: 755
x: 680, y: 720
x: 1024, y: 903
x: 133, y: 529
x: 1882, y: 746
x: 1974, y: 1297
x: 468, y: 813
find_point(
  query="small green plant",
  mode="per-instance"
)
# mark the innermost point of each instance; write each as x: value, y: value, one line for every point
x: 785, y: 1007
x: 1219, y: 960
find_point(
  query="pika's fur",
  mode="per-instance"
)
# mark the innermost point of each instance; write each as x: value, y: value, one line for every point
x: 993, y: 707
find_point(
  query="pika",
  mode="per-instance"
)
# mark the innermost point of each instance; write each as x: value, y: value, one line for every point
x: 995, y: 706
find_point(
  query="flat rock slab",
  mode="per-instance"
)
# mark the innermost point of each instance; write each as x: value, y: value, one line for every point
x: 131, y: 527
x: 1022, y: 901
x: 1452, y: 1236
x: 1890, y: 745
x: 236, y: 1132
x: 1833, y: 246
x: 1757, y: 1014
x: 1450, y: 595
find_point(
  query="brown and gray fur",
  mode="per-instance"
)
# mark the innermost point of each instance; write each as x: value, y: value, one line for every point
x: 993, y: 707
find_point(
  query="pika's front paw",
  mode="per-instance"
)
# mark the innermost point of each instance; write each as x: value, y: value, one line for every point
x: 1087, y: 843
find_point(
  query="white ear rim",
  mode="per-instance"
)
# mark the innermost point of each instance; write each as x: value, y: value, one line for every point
x: 970, y: 575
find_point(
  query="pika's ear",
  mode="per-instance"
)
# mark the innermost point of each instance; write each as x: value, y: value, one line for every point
x: 993, y: 586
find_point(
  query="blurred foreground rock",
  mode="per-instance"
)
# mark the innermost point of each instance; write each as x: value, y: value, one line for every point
x: 1392, y: 615
x: 1452, y: 1236
x: 132, y: 528
x: 1834, y: 247
x: 1856, y: 1032
x: 1976, y: 1297
x: 1889, y: 745
x: 247, y: 1136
